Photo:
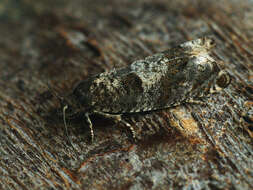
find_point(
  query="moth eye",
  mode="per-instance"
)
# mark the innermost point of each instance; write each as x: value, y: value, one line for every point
x: 223, y: 79
x: 211, y: 42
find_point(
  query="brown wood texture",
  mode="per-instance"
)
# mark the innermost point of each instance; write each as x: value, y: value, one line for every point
x: 61, y: 42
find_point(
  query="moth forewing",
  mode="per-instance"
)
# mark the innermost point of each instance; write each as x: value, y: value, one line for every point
x: 159, y: 81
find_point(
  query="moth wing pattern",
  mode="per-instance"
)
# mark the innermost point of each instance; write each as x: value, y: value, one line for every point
x: 159, y: 81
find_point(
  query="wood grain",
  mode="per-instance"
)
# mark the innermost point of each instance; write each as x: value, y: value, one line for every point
x: 62, y: 42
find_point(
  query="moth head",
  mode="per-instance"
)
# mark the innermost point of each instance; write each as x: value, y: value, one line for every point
x: 206, y: 76
x: 199, y: 45
x: 222, y: 80
x: 204, y: 42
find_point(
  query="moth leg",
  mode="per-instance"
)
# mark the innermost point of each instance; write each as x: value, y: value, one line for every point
x: 130, y: 127
x: 117, y: 119
x: 192, y: 101
x: 90, y: 126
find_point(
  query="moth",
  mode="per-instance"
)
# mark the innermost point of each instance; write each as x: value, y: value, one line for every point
x: 179, y: 75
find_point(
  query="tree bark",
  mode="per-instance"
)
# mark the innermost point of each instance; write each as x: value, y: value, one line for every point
x: 59, y: 43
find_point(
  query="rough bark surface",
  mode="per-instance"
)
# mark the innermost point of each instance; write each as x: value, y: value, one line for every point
x: 61, y: 42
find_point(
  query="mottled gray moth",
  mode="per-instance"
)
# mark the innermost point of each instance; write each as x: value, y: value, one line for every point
x: 178, y: 75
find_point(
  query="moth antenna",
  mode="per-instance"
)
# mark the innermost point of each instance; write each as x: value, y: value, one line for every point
x: 65, y: 124
x: 65, y: 107
x: 66, y: 127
